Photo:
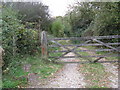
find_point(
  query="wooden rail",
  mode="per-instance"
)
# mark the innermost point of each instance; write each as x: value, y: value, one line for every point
x: 85, y: 56
x: 94, y: 50
x: 84, y: 62
x: 84, y: 38
x: 95, y: 44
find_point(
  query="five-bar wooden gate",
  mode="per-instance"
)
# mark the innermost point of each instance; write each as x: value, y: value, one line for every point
x: 87, y: 41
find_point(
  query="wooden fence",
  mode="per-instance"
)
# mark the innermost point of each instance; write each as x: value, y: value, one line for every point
x: 87, y: 42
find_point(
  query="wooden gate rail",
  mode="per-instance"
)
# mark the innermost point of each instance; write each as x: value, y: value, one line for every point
x: 95, y: 50
x: 95, y: 44
x: 84, y: 38
x: 84, y: 62
x: 86, y: 56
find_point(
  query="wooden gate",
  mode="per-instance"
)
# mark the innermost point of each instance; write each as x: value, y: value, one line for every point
x: 84, y: 41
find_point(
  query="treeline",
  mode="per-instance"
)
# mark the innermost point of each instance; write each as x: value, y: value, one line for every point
x: 89, y: 19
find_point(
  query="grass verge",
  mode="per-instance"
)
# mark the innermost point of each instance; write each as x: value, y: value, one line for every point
x: 14, y: 76
x: 94, y: 73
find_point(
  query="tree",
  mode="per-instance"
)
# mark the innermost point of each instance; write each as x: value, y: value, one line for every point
x: 58, y: 27
x: 33, y: 12
x: 80, y: 17
x: 95, y: 18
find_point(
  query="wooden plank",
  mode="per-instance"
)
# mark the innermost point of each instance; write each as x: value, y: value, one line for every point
x: 97, y: 59
x: 95, y: 44
x: 84, y: 38
x: 107, y: 45
x: 84, y: 62
x: 86, y: 56
x: 85, y: 50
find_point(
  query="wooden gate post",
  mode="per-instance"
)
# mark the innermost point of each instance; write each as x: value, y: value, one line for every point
x: 44, y: 45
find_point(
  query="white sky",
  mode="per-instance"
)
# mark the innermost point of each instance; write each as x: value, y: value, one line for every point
x: 58, y: 7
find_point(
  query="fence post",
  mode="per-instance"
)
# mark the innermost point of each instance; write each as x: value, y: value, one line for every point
x: 44, y: 45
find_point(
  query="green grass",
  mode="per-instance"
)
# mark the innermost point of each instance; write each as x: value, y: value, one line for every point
x: 108, y: 58
x: 65, y: 42
x: 43, y: 68
x: 98, y: 87
x: 86, y: 58
x: 14, y: 76
x: 95, y: 74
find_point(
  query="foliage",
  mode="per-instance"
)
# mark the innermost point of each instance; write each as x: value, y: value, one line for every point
x: 10, y: 25
x: 57, y: 27
x: 94, y: 18
x: 16, y: 38
x: 107, y: 22
x: 80, y: 18
x: 14, y: 75
x: 67, y: 26
x: 34, y: 12
x: 27, y: 41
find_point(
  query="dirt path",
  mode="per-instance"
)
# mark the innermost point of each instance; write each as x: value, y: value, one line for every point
x: 110, y: 68
x: 68, y: 77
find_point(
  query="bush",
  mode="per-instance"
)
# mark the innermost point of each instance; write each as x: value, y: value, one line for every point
x: 16, y: 39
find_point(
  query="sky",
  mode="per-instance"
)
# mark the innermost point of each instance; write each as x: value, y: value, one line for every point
x: 58, y: 7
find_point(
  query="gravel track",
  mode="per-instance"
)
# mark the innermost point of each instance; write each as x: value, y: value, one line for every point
x: 69, y: 77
